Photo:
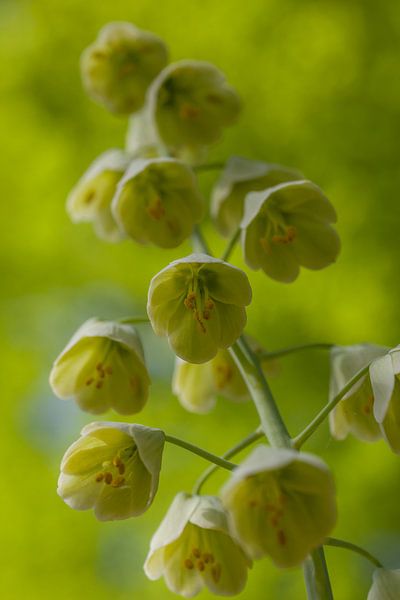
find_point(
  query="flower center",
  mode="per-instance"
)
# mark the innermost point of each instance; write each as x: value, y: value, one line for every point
x: 267, y: 496
x: 277, y: 231
x: 114, y: 470
x: 103, y: 369
x: 203, y: 561
x: 199, y: 302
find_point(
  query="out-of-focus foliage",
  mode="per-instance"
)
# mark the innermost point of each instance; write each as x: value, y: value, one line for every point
x: 320, y: 87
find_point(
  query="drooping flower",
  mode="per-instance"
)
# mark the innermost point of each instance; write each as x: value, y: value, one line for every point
x: 354, y: 413
x: 90, y: 200
x: 286, y: 227
x: 113, y: 468
x: 193, y: 549
x: 198, y: 303
x: 239, y: 177
x: 158, y: 201
x: 386, y: 585
x: 119, y: 66
x: 282, y: 504
x: 191, y: 103
x: 103, y: 367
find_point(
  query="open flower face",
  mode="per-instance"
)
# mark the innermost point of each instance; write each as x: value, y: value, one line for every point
x: 198, y: 303
x: 158, y: 201
x: 282, y: 504
x: 193, y: 549
x: 112, y: 468
x: 103, y: 367
x: 197, y: 386
x: 191, y: 103
x: 239, y: 177
x: 289, y: 226
x: 90, y: 200
x: 355, y: 412
x: 119, y: 66
x: 386, y: 585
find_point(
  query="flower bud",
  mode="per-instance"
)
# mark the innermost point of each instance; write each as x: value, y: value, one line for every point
x: 113, y: 468
x: 193, y: 549
x: 119, y: 66
x: 198, y: 385
x: 191, y: 103
x: 103, y: 367
x: 286, y: 227
x: 198, y: 303
x: 90, y: 200
x: 355, y: 412
x: 282, y: 504
x: 239, y: 177
x: 386, y: 585
x: 158, y: 201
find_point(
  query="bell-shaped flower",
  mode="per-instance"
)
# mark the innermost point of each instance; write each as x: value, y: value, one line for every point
x: 386, y: 585
x: 158, y: 201
x: 198, y: 303
x: 190, y: 103
x: 103, y: 367
x: 286, y: 227
x: 355, y: 412
x: 90, y: 200
x: 113, y: 468
x: 239, y: 177
x: 282, y: 504
x: 193, y: 549
x: 119, y: 66
x: 198, y: 385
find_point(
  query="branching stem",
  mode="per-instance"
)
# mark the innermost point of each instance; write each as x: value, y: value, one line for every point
x: 231, y: 244
x: 217, y: 460
x: 292, y: 349
x: 353, y: 548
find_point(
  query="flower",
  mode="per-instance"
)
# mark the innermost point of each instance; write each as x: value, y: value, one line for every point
x: 193, y: 549
x: 102, y: 367
x: 90, y: 200
x: 112, y: 468
x: 282, y: 503
x: 190, y: 103
x: 198, y: 303
x: 158, y: 201
x: 198, y: 385
x: 354, y: 413
x: 386, y: 585
x: 288, y: 226
x: 119, y: 66
x: 239, y: 177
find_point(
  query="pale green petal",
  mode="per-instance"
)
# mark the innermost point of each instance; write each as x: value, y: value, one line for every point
x: 316, y: 244
x: 280, y: 263
x: 251, y: 246
x: 194, y: 386
x: 386, y: 585
x: 228, y: 575
x: 228, y: 382
x: 390, y: 425
x: 305, y: 199
x: 382, y: 381
x: 232, y: 322
x: 183, y: 581
x: 226, y: 283
x: 193, y: 341
x: 79, y: 492
x: 175, y: 521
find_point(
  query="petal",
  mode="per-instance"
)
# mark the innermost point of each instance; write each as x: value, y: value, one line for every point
x: 386, y: 585
x: 179, y: 579
x: 390, y: 425
x: 280, y: 263
x: 232, y: 322
x: 227, y: 576
x: 79, y: 492
x: 194, y: 386
x: 193, y: 341
x: 226, y: 283
x: 382, y: 381
x: 316, y: 244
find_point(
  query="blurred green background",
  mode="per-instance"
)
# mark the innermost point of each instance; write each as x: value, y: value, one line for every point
x: 321, y: 87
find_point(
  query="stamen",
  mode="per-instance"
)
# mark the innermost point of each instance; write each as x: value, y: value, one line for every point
x: 208, y: 557
x: 89, y: 381
x: 196, y: 552
x: 216, y: 572
x: 99, y: 385
x: 155, y: 209
x: 109, y: 371
x: 188, y: 111
x: 118, y: 481
x: 200, y: 565
x: 108, y: 477
x: 281, y: 537
x: 99, y: 366
x: 189, y: 564
x: 90, y: 197
x: 224, y: 375
x: 99, y: 477
x: 190, y: 301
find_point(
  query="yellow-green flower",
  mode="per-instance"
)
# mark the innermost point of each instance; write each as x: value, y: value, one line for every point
x: 191, y: 103
x: 119, y: 66
x: 158, y: 201
x: 113, y: 468
x: 239, y: 177
x: 355, y: 412
x: 282, y: 504
x: 386, y: 585
x: 198, y: 385
x: 103, y: 367
x: 289, y: 226
x: 198, y: 303
x: 193, y: 549
x: 90, y: 200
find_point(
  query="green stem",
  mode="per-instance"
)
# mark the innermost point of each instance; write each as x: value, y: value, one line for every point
x: 299, y: 440
x: 316, y: 576
x: 199, y: 242
x: 292, y: 349
x: 231, y: 244
x: 354, y: 548
x: 247, y: 441
x: 217, y: 460
x: 134, y: 320
x: 209, y: 167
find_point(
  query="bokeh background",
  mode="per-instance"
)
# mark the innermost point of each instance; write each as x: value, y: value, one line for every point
x: 321, y: 88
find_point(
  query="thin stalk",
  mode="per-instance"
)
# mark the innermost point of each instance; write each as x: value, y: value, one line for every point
x: 209, y: 167
x: 353, y: 548
x: 134, y: 320
x: 199, y: 242
x: 292, y: 349
x: 247, y: 441
x: 231, y: 244
x: 299, y: 440
x: 217, y: 460
x: 316, y: 576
